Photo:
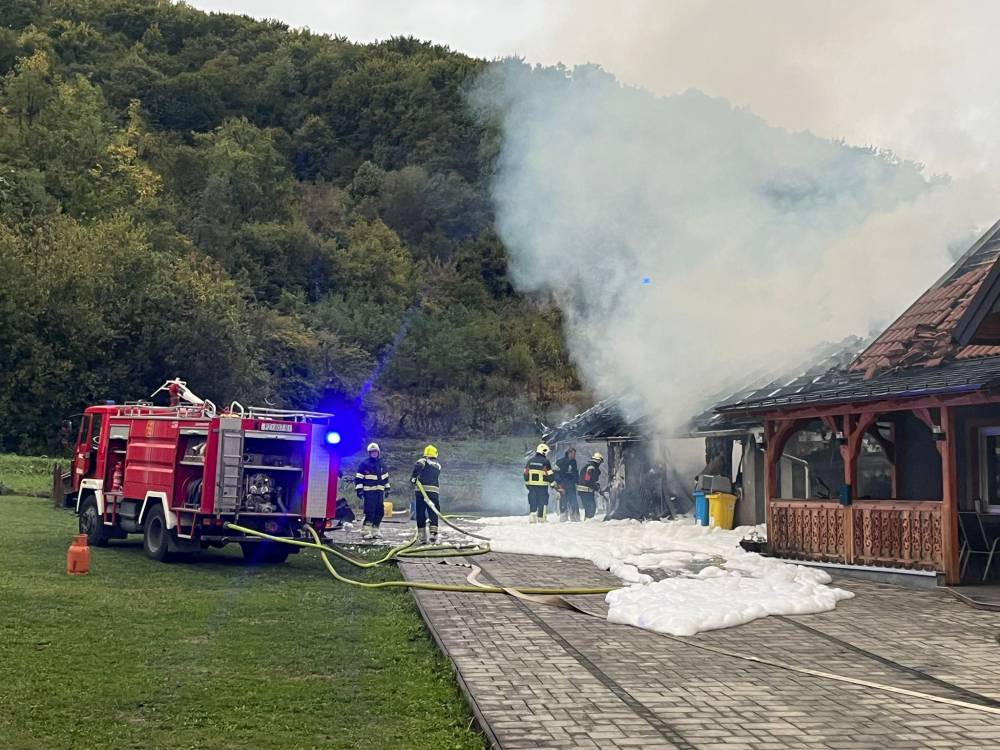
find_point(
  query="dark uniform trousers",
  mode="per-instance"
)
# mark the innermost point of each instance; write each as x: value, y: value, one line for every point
x: 427, y: 471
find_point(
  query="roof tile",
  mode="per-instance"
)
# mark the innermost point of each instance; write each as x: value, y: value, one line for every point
x: 922, y: 334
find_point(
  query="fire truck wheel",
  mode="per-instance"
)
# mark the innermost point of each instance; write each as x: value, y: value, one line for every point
x: 92, y: 524
x: 156, y: 535
x: 264, y: 553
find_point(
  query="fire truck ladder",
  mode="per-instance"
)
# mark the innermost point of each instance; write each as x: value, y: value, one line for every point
x: 288, y: 415
x: 229, y: 479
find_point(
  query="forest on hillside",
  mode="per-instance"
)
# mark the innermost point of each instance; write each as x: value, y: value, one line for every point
x: 274, y: 215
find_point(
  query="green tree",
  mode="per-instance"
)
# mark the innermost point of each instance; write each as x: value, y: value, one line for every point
x: 271, y: 213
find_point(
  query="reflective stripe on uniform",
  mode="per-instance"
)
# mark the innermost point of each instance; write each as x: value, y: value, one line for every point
x: 373, y: 487
x: 429, y: 488
x: 536, y: 478
x: 583, y: 488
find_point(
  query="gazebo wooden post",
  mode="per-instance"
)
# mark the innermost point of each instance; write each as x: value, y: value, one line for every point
x: 855, y: 427
x: 849, y: 452
x: 948, y: 448
x: 776, y: 433
x: 770, y: 468
x: 949, y: 501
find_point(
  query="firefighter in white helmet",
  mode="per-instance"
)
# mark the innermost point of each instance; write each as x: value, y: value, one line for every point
x: 372, y: 485
x: 538, y: 478
x: 427, y: 471
x: 590, y: 479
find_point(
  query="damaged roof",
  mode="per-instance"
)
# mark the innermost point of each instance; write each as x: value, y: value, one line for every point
x: 822, y: 365
x: 924, y: 335
x: 945, y: 342
x: 606, y: 419
x: 958, y: 376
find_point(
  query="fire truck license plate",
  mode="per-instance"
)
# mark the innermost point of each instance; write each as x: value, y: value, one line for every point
x: 275, y: 427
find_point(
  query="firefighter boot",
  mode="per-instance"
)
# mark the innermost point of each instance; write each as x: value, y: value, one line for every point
x: 376, y: 532
x: 423, y: 536
x: 434, y: 534
x: 544, y: 515
x: 532, y: 518
x: 366, y: 530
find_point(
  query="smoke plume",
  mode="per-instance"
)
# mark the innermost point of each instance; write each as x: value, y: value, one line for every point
x: 692, y: 245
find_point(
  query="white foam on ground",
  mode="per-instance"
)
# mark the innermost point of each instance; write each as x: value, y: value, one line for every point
x: 733, y: 586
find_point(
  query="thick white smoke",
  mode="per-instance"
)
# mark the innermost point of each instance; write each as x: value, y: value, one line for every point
x: 691, y: 244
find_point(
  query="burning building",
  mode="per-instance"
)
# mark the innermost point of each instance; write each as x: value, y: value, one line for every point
x: 639, y: 452
x: 880, y: 457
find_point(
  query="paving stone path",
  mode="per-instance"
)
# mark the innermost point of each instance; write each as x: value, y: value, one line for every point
x: 544, y: 677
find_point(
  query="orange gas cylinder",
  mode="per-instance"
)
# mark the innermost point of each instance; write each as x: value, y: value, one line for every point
x: 78, y: 557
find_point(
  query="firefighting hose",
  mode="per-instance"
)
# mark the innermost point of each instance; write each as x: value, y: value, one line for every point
x: 407, y: 549
x: 325, y: 551
x: 443, y: 517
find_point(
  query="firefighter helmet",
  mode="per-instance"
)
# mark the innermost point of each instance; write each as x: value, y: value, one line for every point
x: 430, y: 452
x: 373, y: 448
x: 598, y: 457
x: 543, y: 449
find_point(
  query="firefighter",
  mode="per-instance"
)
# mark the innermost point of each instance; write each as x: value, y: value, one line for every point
x: 567, y: 477
x: 372, y: 485
x: 590, y: 480
x: 538, y: 478
x: 427, y: 471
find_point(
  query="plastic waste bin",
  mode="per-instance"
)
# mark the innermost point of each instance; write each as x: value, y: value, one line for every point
x: 700, y: 508
x: 387, y: 507
x: 720, y: 509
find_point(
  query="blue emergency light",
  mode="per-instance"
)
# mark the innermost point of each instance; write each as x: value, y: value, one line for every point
x: 333, y: 437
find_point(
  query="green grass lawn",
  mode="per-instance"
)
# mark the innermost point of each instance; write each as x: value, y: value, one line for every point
x: 208, y: 653
x: 27, y: 475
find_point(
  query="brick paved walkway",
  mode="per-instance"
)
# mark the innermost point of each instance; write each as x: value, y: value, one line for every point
x: 544, y: 677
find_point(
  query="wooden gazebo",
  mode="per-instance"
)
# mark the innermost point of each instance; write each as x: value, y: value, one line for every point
x: 924, y: 398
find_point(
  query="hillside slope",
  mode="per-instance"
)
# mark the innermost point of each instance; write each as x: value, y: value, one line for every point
x: 269, y: 213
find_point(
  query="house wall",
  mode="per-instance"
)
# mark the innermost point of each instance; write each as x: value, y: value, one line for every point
x: 969, y: 421
x: 917, y: 459
x: 750, y: 508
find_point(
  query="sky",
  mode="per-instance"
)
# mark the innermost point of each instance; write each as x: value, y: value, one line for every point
x: 908, y: 75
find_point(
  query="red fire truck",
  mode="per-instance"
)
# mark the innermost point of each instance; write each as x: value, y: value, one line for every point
x: 176, y: 474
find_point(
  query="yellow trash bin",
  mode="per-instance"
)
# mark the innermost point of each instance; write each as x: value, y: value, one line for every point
x: 720, y: 509
x: 388, y: 510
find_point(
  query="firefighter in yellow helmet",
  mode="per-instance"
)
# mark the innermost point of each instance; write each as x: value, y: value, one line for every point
x: 427, y: 471
x: 538, y: 478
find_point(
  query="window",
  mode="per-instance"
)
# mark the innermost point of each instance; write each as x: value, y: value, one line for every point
x: 95, y: 432
x: 989, y: 468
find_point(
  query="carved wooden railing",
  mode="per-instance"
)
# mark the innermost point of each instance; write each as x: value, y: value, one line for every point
x: 899, y: 534
x: 806, y: 530
x: 889, y: 533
